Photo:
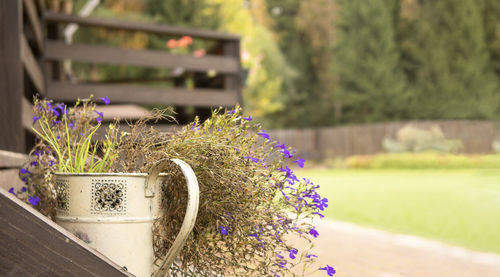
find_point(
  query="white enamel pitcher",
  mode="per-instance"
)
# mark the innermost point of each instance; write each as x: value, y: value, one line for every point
x: 114, y: 213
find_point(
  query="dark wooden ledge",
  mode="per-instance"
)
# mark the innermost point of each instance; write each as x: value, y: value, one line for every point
x: 33, y: 245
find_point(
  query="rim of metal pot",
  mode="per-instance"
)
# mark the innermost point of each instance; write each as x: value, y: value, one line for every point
x: 113, y: 174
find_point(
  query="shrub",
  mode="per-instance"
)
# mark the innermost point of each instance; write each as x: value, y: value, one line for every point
x: 413, y: 139
x: 426, y: 160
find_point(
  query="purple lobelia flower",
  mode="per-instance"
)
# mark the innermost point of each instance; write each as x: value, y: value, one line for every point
x: 24, y: 171
x: 313, y: 232
x: 34, y: 200
x: 310, y: 256
x: 105, y: 99
x: 329, y: 270
x: 249, y: 156
x: 264, y: 134
x: 300, y: 162
x: 11, y: 190
x: 223, y: 230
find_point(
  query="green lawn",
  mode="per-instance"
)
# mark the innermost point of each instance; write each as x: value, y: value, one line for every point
x: 459, y: 207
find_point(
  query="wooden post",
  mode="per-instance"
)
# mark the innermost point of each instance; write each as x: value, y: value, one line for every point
x: 233, y: 81
x: 12, y: 136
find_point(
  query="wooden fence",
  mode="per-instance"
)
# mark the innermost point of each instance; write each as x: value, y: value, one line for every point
x: 331, y: 142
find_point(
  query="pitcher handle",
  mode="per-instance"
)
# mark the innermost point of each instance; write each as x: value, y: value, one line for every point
x: 191, y: 209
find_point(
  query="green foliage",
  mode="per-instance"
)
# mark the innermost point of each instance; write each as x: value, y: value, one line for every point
x: 187, y: 13
x: 371, y: 85
x: 319, y: 63
x: 491, y: 19
x: 425, y: 160
x: 304, y: 34
x: 269, y: 73
x: 447, y: 62
x: 69, y: 133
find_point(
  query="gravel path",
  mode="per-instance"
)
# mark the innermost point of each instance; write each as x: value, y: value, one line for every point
x: 358, y: 251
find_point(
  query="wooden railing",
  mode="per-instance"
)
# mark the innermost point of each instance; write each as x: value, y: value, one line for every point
x: 21, y: 74
x: 32, y: 53
x: 226, y: 64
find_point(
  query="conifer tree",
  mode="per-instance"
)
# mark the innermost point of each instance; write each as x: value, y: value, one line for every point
x: 491, y: 18
x: 295, y: 47
x: 447, y: 62
x: 370, y: 82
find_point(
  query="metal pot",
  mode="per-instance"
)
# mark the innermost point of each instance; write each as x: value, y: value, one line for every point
x: 114, y: 213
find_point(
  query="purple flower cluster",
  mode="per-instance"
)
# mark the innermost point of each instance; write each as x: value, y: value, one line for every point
x: 224, y: 230
x: 105, y: 99
x: 34, y: 200
x: 249, y: 156
x: 329, y: 270
x: 313, y: 232
x: 264, y: 134
x: 300, y: 162
x: 35, y: 119
x: 284, y: 150
x: 296, y: 196
x: 99, y: 119
x: 23, y: 189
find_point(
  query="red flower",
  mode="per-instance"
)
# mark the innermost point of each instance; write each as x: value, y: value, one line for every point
x: 185, y: 41
x: 172, y: 43
x: 199, y: 53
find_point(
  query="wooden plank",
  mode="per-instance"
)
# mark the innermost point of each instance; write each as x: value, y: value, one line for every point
x: 125, y: 112
x: 26, y: 235
x: 233, y: 82
x: 11, y: 77
x: 164, y: 128
x: 31, y: 65
x: 9, y: 178
x: 36, y: 26
x: 12, y: 159
x: 57, y: 50
x: 27, y: 115
x: 137, y: 26
x: 40, y: 5
x: 62, y: 91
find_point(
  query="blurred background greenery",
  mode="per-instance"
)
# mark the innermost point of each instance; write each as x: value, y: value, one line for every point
x: 325, y: 63
x: 331, y: 62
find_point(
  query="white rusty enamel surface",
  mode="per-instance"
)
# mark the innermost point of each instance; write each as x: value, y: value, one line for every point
x: 124, y: 232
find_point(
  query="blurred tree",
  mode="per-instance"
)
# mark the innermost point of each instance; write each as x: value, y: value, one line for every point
x: 189, y: 13
x: 301, y: 97
x: 370, y: 82
x: 304, y: 31
x: 491, y: 18
x: 447, y: 61
x: 315, y: 21
x: 268, y: 71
